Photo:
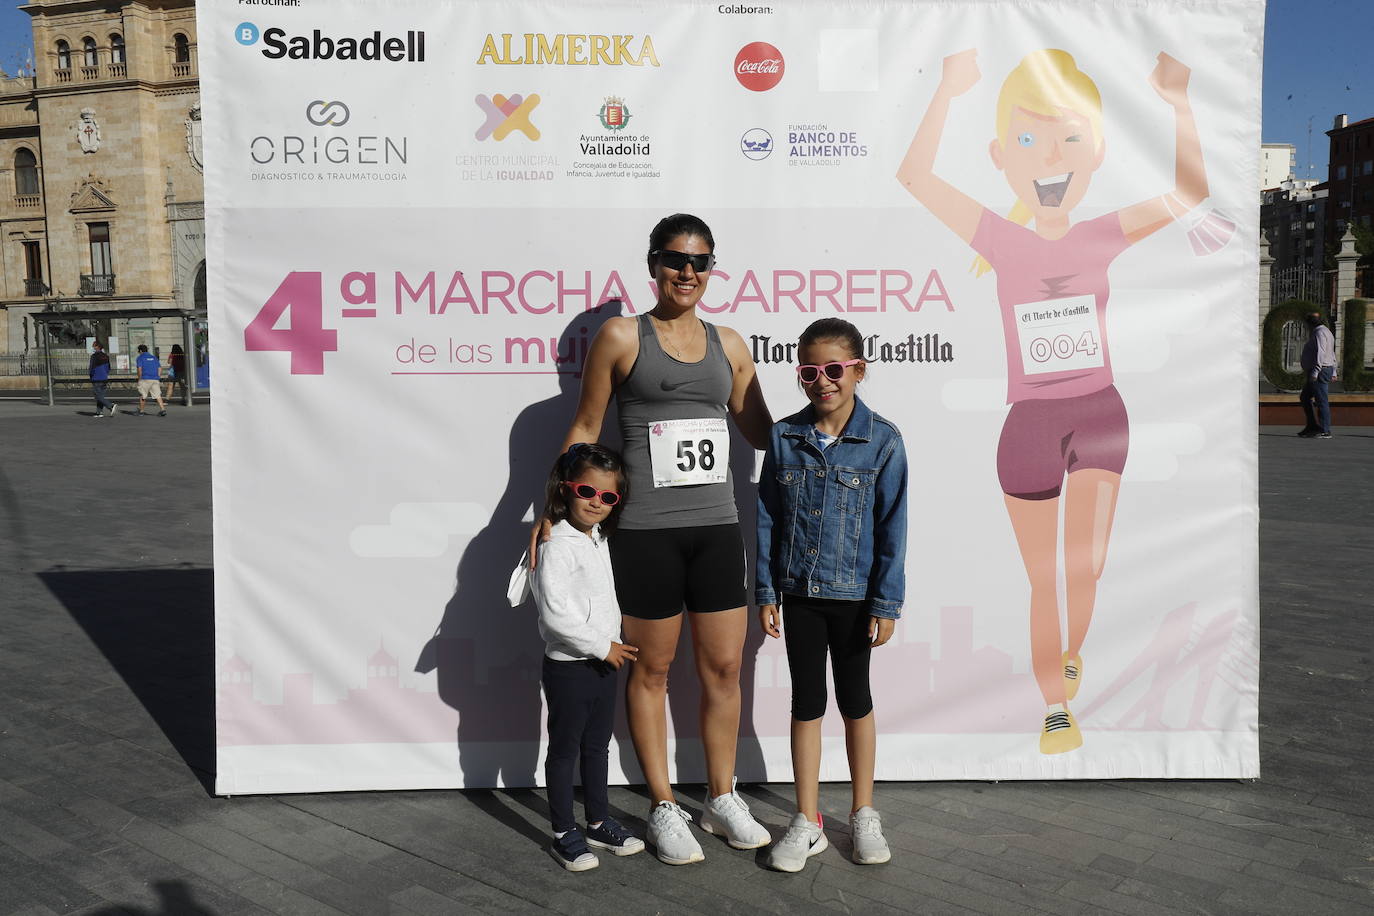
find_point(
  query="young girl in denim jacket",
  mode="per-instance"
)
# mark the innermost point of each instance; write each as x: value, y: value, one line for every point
x: 831, y: 552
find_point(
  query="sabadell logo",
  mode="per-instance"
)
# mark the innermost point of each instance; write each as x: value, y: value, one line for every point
x: 759, y: 66
x: 319, y: 46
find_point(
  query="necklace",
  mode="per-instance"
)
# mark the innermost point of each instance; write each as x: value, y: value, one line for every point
x: 663, y: 335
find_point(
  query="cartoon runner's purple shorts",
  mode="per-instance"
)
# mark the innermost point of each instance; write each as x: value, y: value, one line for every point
x: 1044, y: 439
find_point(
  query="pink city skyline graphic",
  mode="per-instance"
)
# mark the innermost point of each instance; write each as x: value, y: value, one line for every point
x: 966, y: 691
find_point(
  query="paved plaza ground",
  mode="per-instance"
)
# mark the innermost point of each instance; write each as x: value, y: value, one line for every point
x: 107, y: 742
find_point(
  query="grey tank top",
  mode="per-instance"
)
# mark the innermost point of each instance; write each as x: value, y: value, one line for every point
x: 662, y: 388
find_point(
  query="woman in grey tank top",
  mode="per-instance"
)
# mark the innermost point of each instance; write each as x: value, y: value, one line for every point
x: 675, y: 379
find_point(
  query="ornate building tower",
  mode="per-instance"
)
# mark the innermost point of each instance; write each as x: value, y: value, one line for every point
x: 101, y: 196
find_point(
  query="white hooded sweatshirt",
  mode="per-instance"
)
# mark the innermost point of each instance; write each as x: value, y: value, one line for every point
x: 578, y: 615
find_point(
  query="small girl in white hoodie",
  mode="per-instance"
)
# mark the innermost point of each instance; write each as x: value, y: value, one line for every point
x: 580, y: 622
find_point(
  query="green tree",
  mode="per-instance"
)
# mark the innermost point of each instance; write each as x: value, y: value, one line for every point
x: 1364, y: 247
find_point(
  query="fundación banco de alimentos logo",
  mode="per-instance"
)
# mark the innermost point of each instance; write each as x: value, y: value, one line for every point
x: 756, y: 143
x: 505, y: 114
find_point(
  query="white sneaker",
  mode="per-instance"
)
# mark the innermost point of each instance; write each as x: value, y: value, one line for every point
x: 671, y: 837
x: 866, y: 829
x: 802, y: 840
x: 727, y: 815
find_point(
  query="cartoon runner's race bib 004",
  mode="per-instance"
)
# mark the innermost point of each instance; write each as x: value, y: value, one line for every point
x: 684, y: 452
x: 1059, y: 335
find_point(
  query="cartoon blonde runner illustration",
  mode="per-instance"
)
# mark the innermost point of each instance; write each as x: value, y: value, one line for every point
x: 1066, y: 431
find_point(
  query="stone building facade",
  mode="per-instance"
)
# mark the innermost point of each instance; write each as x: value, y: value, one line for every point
x: 101, y: 187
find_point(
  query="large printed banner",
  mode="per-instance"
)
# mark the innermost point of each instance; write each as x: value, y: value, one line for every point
x: 421, y: 212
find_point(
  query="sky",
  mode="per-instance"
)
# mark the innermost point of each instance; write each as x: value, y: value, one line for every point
x: 1317, y: 64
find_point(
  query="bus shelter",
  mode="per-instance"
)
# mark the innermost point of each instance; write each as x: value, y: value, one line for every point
x: 191, y: 335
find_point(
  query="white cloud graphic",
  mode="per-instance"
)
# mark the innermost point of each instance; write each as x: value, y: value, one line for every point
x: 1156, y: 447
x: 974, y: 394
x: 418, y: 530
x: 1141, y: 321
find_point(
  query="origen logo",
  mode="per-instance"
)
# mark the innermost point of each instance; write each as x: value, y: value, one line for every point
x: 505, y: 114
x: 759, y: 66
x: 331, y: 114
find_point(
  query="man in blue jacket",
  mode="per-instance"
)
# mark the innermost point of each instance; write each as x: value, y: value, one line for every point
x: 100, y: 377
x: 149, y: 383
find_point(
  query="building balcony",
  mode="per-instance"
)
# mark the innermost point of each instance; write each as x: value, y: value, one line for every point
x: 34, y: 287
x: 28, y: 201
x: 90, y: 73
x: 182, y: 68
x: 63, y: 74
x: 97, y: 284
x: 117, y: 71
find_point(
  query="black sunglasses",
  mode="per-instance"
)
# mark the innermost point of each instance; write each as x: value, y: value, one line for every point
x: 676, y: 260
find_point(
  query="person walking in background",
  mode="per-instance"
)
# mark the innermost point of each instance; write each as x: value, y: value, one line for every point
x: 149, y: 385
x: 1318, y: 368
x: 176, y: 370
x: 100, y: 377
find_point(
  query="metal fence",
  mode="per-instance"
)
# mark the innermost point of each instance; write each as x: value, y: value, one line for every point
x: 64, y: 364
x: 1298, y: 283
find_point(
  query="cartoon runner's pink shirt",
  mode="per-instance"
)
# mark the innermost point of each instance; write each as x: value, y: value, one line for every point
x: 1053, y: 298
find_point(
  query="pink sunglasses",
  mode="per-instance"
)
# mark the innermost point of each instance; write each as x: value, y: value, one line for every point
x: 587, y: 491
x: 833, y: 371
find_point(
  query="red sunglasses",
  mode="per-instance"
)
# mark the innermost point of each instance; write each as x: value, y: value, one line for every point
x: 833, y: 371
x: 587, y: 491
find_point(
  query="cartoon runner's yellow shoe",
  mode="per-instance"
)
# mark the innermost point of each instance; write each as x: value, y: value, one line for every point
x: 1061, y: 732
x: 1073, y: 674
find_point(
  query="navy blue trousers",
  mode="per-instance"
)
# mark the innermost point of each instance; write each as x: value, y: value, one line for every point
x: 581, y: 700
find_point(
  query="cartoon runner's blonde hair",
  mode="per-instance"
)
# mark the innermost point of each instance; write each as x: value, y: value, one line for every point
x: 1044, y: 82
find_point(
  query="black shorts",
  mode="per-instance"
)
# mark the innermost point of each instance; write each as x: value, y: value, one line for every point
x: 659, y: 571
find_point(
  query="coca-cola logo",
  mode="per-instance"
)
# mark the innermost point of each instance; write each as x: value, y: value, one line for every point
x: 759, y: 66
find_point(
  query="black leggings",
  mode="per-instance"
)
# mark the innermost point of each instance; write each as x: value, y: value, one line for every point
x: 811, y: 626
x: 581, y: 700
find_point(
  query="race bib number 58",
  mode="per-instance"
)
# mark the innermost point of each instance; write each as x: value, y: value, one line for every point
x: 1059, y: 335
x: 684, y: 452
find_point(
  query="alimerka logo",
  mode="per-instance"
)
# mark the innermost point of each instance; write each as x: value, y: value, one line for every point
x: 505, y: 114
x: 759, y: 66
x: 568, y: 50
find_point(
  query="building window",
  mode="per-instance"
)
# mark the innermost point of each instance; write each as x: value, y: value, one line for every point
x: 117, y: 49
x: 183, y: 49
x: 1340, y: 173
x: 25, y: 173
x: 33, y: 270
x: 64, y: 56
x: 101, y: 260
x: 1368, y: 168
x: 101, y: 280
x: 89, y: 53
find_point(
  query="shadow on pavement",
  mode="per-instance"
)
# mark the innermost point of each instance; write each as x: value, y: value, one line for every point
x: 156, y: 627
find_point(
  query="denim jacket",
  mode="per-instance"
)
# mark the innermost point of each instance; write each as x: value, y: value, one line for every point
x: 832, y: 521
